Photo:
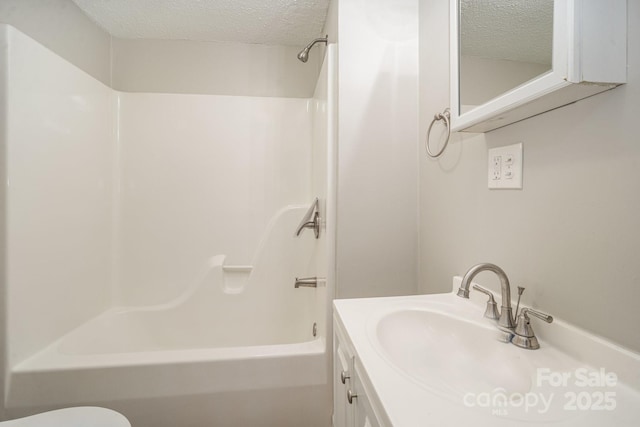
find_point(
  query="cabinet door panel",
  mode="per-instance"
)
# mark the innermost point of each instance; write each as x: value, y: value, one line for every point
x: 364, y: 414
x: 342, y: 368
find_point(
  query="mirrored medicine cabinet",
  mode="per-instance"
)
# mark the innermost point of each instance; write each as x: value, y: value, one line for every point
x: 514, y: 59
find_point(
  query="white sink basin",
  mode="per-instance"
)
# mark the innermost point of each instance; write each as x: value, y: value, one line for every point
x: 459, y: 356
x: 451, y: 356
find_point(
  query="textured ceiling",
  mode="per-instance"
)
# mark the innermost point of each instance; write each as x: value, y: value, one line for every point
x: 276, y: 22
x: 517, y: 30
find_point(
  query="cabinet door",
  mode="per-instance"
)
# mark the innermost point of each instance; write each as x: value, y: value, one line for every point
x: 364, y: 414
x: 342, y: 368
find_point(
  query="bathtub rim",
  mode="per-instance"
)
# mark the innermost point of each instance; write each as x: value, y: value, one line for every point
x: 149, y: 375
x: 51, y: 359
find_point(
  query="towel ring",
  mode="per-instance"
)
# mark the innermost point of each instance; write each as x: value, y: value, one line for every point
x: 446, y: 116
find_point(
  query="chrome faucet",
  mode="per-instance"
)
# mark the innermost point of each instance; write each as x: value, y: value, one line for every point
x: 506, y: 319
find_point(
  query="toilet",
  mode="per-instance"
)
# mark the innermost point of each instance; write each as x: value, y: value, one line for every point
x: 82, y: 416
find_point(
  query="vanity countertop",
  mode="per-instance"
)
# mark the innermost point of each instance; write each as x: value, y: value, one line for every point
x: 574, y: 379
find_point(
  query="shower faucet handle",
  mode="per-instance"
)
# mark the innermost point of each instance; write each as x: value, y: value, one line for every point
x: 311, y: 219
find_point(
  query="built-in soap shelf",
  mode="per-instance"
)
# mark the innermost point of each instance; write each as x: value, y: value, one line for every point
x: 237, y: 268
x: 235, y: 277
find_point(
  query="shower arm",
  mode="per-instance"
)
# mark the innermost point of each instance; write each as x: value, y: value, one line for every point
x: 318, y: 40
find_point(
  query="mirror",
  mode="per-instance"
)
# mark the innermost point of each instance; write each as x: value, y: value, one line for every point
x: 502, y: 45
x: 514, y: 59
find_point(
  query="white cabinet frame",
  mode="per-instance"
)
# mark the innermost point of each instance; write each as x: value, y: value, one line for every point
x: 589, y: 56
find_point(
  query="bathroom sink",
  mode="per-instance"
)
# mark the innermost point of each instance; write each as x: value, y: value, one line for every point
x: 462, y: 357
x: 449, y: 355
x: 435, y: 360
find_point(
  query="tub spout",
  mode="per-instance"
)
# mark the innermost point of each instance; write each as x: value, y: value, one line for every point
x: 306, y: 282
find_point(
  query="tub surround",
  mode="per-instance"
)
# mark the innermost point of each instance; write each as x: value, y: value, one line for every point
x: 59, y: 167
x: 170, y: 189
x: 398, y: 398
x: 199, y: 176
x: 146, y: 176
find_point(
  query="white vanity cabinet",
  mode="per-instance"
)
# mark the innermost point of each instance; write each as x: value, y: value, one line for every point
x: 352, y: 403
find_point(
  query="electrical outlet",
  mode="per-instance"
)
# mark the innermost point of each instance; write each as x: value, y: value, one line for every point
x: 505, y: 167
x: 497, y: 168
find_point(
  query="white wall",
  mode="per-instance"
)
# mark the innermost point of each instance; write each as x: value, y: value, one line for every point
x: 571, y: 236
x: 163, y: 66
x: 202, y: 175
x: 4, y: 107
x: 180, y: 66
x: 59, y: 156
x: 377, y: 176
x: 62, y: 27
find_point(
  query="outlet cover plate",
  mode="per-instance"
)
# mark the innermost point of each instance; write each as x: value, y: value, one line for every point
x: 505, y: 167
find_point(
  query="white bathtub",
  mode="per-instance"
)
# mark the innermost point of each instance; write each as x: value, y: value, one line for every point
x: 238, y: 336
x: 283, y: 385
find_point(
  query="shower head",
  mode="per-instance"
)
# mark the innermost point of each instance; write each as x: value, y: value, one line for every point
x: 304, y: 53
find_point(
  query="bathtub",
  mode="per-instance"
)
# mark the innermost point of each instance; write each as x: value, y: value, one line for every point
x: 239, y: 337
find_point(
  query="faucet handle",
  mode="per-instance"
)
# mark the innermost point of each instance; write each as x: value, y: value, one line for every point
x: 540, y: 315
x: 524, y: 336
x: 491, y: 312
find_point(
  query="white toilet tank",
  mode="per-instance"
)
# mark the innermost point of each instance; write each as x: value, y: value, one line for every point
x: 84, y: 416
